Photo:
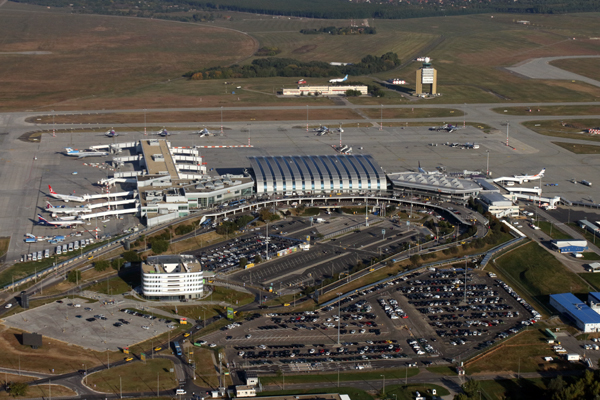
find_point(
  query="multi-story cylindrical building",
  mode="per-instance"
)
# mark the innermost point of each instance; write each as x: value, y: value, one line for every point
x: 173, y: 277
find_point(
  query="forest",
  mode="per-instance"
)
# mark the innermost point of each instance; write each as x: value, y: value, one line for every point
x: 269, y: 67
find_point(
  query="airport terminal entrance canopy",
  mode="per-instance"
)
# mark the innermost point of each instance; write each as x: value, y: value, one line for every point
x: 317, y: 174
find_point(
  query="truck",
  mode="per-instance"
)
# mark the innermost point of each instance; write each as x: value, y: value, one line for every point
x: 572, y: 357
x: 30, y: 240
x: 586, y: 183
x: 319, y: 220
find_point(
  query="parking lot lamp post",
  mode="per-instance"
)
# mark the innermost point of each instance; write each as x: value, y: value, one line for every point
x: 487, y: 169
x: 383, y: 390
x: 107, y: 358
x: 120, y: 388
x: 339, y: 315
x: 157, y: 384
x: 338, y: 370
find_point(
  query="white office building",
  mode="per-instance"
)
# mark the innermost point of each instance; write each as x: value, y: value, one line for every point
x: 172, y: 277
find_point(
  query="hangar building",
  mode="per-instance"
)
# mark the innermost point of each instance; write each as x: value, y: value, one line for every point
x: 570, y: 246
x: 580, y: 313
x: 317, y: 174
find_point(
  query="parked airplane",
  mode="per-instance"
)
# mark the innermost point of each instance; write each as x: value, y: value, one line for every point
x: 526, y: 178
x: 84, y: 153
x: 204, y: 132
x: 59, y: 224
x: 111, y: 133
x: 163, y: 132
x: 320, y: 131
x: 67, y: 210
x: 339, y: 80
x: 67, y: 197
x: 421, y: 170
x: 447, y: 127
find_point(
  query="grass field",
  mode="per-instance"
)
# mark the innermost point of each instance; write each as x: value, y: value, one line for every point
x: 568, y: 129
x: 134, y: 377
x: 61, y: 356
x: 524, y: 351
x: 514, y: 389
x: 92, y: 55
x: 592, y: 278
x: 412, y: 113
x: 206, y: 373
x: 408, y: 392
x: 550, y: 110
x: 124, y: 282
x: 398, y: 373
x: 98, y: 62
x: 579, y: 148
x: 538, y: 273
x: 354, y: 393
x: 591, y: 256
x: 36, y: 391
x: 548, y: 227
x: 587, y: 67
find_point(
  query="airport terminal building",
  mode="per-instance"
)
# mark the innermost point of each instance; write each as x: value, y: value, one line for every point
x: 317, y: 174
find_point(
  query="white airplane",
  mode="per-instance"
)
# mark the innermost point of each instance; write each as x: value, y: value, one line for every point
x: 421, y: 170
x: 339, y: 80
x: 163, y: 132
x: 204, y: 132
x: 112, y: 133
x: 85, y: 153
x: 59, y: 224
x: 67, y: 210
x: 526, y: 178
x: 68, y: 197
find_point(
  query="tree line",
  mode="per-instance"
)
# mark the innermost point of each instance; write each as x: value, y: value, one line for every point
x: 287, y: 67
x: 346, y: 30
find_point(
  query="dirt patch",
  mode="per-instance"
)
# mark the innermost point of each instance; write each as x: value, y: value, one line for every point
x: 305, y: 49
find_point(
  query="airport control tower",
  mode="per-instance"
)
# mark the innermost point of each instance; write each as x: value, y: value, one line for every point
x: 426, y: 79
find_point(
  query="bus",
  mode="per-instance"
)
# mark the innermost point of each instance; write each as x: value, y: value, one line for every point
x: 177, y: 348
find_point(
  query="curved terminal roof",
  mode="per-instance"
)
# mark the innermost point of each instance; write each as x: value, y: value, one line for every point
x: 317, y: 174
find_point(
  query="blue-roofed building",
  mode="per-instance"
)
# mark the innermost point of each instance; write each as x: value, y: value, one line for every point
x: 570, y: 246
x: 574, y: 309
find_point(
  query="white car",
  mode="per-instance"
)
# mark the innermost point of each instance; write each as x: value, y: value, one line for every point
x: 145, y: 327
x: 212, y: 345
x: 9, y: 305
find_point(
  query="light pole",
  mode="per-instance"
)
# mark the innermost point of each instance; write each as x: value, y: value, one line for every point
x: 307, y: 118
x: 221, y: 120
x: 487, y: 168
x: 381, y: 119
x: 145, y: 133
x: 339, y: 315
x: 507, y: 126
x: 383, y: 390
x: 53, y: 126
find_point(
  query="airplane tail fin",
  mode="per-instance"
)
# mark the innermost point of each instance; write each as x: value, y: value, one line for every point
x: 48, y: 205
x: 42, y: 219
x: 68, y: 149
x: 51, y: 191
x: 346, y: 77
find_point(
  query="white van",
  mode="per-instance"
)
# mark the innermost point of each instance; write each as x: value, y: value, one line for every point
x: 180, y: 391
x: 64, y: 248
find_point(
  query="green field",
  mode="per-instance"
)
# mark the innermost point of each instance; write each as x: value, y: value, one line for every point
x: 550, y: 110
x: 514, y: 389
x: 524, y: 351
x: 124, y: 282
x: 579, y: 148
x: 355, y: 394
x: 408, y: 392
x: 536, y: 272
x: 592, y: 278
x: 551, y: 230
x: 568, y: 129
x: 135, y: 377
x: 468, y: 52
x: 399, y: 373
x: 586, y: 67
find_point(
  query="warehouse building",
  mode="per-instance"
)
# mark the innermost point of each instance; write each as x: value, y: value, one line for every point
x: 594, y: 300
x: 324, y: 90
x: 330, y: 174
x: 570, y: 246
x: 172, y: 277
x: 584, y: 317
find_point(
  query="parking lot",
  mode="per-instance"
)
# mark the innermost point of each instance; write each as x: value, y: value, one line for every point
x: 308, y: 266
x: 95, y: 326
x: 418, y: 319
